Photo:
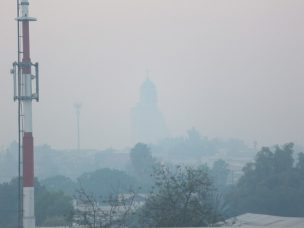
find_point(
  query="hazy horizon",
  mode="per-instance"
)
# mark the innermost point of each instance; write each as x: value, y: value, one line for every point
x: 231, y: 69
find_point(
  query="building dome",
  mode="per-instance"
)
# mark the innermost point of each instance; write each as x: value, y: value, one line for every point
x: 148, y: 92
x: 147, y: 120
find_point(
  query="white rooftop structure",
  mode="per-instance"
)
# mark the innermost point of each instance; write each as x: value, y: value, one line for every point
x: 260, y: 220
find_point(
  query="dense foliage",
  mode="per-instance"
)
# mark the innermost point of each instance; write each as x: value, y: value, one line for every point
x: 73, y: 163
x: 220, y: 174
x: 181, y: 197
x: 142, y: 164
x: 273, y: 184
x: 106, y: 182
x: 52, y: 208
x: 175, y: 196
x: 60, y: 183
x: 9, y: 204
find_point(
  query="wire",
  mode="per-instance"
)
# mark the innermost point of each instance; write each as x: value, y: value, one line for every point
x: 19, y: 122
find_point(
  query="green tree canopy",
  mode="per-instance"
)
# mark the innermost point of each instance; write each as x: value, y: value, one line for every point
x: 219, y: 174
x: 273, y: 184
x: 106, y: 182
x: 142, y: 164
x: 181, y: 197
x: 52, y: 208
x: 141, y: 159
x: 60, y: 183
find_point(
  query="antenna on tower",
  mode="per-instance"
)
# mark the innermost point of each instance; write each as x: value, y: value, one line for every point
x: 26, y: 89
x: 77, y: 107
x: 148, y: 72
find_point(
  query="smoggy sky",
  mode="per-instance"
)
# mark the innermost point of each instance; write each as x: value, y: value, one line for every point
x: 228, y: 68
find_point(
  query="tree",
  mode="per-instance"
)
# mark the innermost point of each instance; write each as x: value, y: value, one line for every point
x: 9, y: 204
x: 219, y: 174
x: 142, y: 164
x: 181, y: 197
x: 300, y: 163
x: 105, y: 181
x: 141, y: 159
x: 113, y: 211
x: 52, y: 208
x: 272, y: 184
x: 60, y: 183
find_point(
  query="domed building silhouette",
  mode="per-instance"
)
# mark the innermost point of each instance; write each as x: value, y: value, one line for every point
x: 147, y: 121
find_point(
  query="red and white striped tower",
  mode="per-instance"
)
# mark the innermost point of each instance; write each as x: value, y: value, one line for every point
x: 26, y: 83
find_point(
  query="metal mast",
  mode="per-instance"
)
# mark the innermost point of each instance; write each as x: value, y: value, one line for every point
x: 77, y: 107
x: 25, y: 82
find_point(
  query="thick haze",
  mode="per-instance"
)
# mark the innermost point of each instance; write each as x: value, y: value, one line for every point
x: 228, y: 68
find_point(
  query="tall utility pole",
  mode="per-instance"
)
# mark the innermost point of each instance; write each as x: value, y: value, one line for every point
x: 77, y: 107
x: 25, y: 82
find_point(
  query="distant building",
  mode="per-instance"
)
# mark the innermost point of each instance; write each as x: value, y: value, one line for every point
x: 147, y: 121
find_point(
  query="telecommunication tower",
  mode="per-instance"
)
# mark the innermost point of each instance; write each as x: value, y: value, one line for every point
x: 77, y: 107
x: 26, y: 89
